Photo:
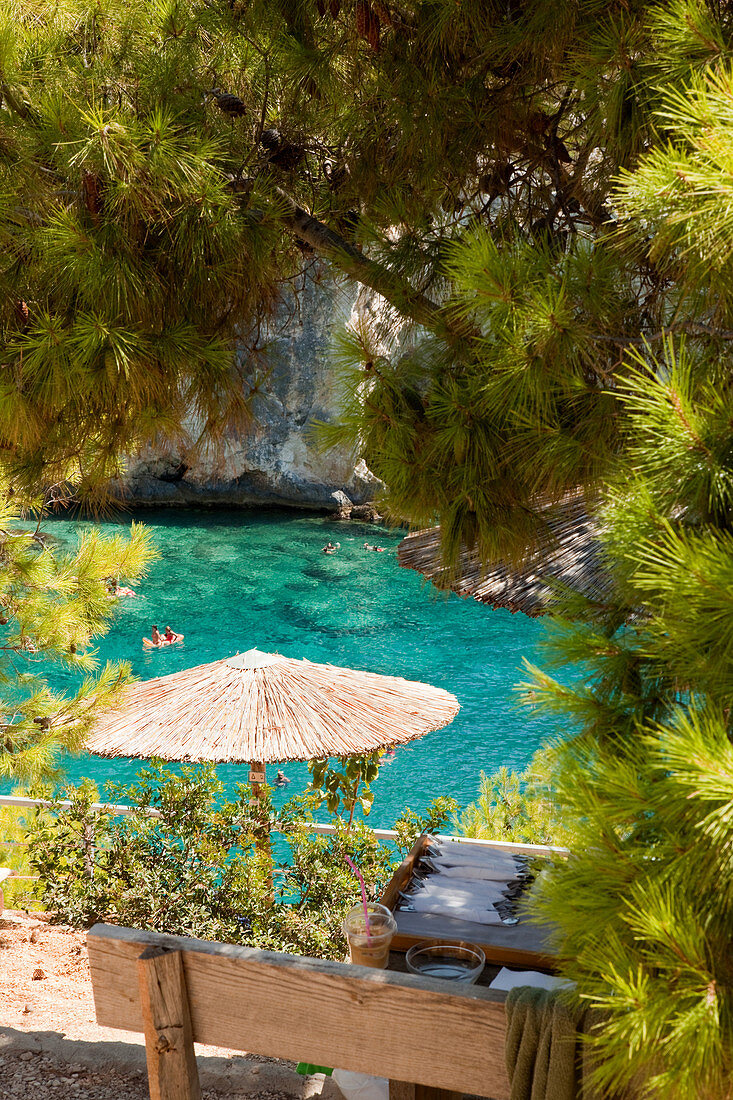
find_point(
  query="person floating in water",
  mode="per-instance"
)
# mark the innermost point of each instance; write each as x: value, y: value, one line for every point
x: 115, y: 590
x: 156, y: 639
x: 331, y: 547
x: 281, y: 779
x: 378, y: 549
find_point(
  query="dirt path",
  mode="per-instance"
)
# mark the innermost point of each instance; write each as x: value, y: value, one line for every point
x: 51, y: 1046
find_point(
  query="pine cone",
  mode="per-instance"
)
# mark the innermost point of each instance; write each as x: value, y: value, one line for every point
x: 334, y: 7
x: 367, y: 23
x: 321, y: 8
x: 271, y: 139
x: 284, y: 154
x: 91, y: 185
x: 230, y: 104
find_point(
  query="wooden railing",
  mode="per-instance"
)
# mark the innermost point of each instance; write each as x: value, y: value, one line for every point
x: 314, y: 826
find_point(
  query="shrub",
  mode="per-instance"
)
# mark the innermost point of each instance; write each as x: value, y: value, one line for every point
x: 195, y: 868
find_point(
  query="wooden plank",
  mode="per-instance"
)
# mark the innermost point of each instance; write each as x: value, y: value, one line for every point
x: 522, y: 944
x: 372, y: 1021
x: 403, y: 874
x: 172, y: 1072
x: 401, y: 1090
x: 425, y: 1092
x: 404, y: 1090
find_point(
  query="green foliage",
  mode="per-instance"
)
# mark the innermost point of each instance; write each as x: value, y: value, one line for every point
x: 542, y: 194
x: 343, y: 790
x: 53, y: 602
x: 17, y: 891
x: 172, y: 871
x: 195, y: 869
x: 522, y: 809
x: 410, y: 825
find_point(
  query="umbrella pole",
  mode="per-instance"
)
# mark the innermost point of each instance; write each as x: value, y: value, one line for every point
x: 257, y: 777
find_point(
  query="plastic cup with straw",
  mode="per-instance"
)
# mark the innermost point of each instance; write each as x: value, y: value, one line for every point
x: 369, y: 928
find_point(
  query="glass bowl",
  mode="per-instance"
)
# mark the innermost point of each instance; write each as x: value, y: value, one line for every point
x: 454, y: 962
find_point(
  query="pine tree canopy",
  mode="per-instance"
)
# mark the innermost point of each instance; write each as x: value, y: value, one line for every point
x: 166, y: 168
x: 540, y: 195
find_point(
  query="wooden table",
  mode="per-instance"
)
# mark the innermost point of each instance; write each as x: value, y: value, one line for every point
x: 522, y: 945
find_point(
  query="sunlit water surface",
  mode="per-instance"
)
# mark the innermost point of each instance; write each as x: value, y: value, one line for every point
x: 231, y: 581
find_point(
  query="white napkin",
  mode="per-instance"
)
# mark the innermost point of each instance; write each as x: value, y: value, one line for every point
x: 459, y: 909
x: 499, y: 873
x: 454, y: 855
x: 509, y: 979
x: 485, y: 893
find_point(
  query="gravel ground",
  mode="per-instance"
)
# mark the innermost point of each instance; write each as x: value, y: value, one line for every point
x: 27, y: 1076
x: 52, y: 1048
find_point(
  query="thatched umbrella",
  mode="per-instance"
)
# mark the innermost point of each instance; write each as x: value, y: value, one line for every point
x: 568, y: 556
x: 264, y: 708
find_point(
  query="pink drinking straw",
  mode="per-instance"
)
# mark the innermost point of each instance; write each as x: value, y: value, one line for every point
x: 357, y: 872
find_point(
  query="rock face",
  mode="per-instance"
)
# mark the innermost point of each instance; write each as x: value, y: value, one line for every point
x: 276, y: 462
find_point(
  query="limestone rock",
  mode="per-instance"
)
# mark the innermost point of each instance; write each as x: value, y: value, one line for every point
x: 367, y: 513
x: 344, y: 507
x: 278, y: 460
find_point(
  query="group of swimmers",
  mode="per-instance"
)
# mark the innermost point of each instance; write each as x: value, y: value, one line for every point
x: 332, y: 547
x: 156, y: 639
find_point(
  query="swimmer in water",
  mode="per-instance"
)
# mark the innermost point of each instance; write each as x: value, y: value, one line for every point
x: 170, y: 636
x: 281, y: 779
x: 115, y: 591
x: 331, y: 547
x: 155, y: 635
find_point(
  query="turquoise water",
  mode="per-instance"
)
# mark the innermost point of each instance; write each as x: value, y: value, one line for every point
x: 231, y: 581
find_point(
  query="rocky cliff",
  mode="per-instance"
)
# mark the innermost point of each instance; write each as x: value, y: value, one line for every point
x: 277, y: 461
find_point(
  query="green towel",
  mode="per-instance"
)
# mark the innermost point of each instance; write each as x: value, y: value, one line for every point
x: 546, y: 1058
x: 306, y: 1068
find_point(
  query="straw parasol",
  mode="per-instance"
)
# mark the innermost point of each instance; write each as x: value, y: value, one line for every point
x: 570, y: 557
x: 266, y: 708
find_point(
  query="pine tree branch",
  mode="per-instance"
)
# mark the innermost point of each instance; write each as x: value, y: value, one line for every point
x: 410, y: 302
x: 691, y: 328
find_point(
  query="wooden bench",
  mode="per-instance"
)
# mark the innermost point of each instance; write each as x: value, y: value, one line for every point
x: 431, y: 1044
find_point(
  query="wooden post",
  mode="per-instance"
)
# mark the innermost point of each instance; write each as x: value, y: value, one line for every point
x: 257, y: 779
x: 172, y: 1072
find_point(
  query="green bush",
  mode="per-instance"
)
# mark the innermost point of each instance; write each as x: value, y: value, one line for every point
x: 196, y: 868
x: 517, y: 807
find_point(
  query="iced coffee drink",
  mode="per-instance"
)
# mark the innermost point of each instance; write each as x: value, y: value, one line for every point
x: 370, y: 947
